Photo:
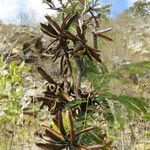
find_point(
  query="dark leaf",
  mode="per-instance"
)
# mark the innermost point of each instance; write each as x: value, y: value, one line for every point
x: 54, y: 135
x: 47, y: 33
x: 71, y: 127
x: 84, y: 130
x: 52, y: 30
x: 55, y: 24
x: 94, y: 53
x: 104, y: 37
x: 46, y: 76
x: 73, y: 18
x: 70, y: 36
x: 51, y: 146
x: 80, y: 147
x: 49, y: 30
x: 56, y: 56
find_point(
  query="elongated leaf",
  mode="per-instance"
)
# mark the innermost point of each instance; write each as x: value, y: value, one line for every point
x: 66, y: 96
x: 70, y: 36
x: 49, y: 46
x: 79, y: 31
x: 61, y: 125
x: 93, y: 53
x: 77, y: 48
x: 80, y: 147
x: 54, y: 135
x: 65, y: 21
x: 52, y: 30
x: 47, y: 33
x: 84, y: 130
x: 104, y: 37
x: 62, y: 63
x: 56, y: 56
x: 96, y: 147
x: 103, y: 31
x: 55, y: 24
x: 51, y: 146
x: 49, y: 29
x: 73, y: 18
x: 44, y: 99
x: 46, y: 76
x: 72, y: 131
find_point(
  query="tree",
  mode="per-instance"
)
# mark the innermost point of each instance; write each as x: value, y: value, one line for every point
x: 70, y: 45
x: 140, y: 8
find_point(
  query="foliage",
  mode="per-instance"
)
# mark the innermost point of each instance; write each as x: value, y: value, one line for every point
x: 10, y: 87
x: 69, y: 46
x: 140, y: 8
x: 112, y: 104
x: 62, y: 139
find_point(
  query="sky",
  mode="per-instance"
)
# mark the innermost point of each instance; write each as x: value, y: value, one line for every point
x: 10, y: 9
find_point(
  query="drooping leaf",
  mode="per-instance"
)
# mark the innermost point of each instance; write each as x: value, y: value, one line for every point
x: 96, y: 147
x: 49, y: 30
x: 61, y: 125
x: 104, y: 37
x: 54, y: 135
x: 71, y: 126
x: 51, y: 146
x: 94, y: 53
x: 103, y: 31
x: 55, y: 24
x: 80, y: 147
x: 46, y: 76
x: 84, y: 130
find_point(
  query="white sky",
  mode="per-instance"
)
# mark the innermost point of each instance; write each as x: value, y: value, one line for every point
x: 9, y: 9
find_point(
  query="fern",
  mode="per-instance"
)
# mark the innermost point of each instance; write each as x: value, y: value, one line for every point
x: 113, y: 104
x: 131, y: 104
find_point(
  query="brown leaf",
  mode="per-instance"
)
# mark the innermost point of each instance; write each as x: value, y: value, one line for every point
x: 55, y: 57
x: 77, y: 48
x: 52, y: 30
x: 49, y: 46
x: 73, y: 18
x: 66, y: 96
x: 49, y: 30
x: 55, y: 24
x: 84, y: 130
x: 96, y: 147
x: 51, y: 146
x: 47, y: 33
x: 61, y: 63
x: 46, y: 76
x: 54, y: 135
x: 93, y: 53
x: 104, y: 37
x: 80, y: 147
x: 70, y: 36
x: 72, y: 131
x: 60, y: 124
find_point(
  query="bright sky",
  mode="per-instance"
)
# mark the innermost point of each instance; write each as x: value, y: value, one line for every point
x: 9, y: 9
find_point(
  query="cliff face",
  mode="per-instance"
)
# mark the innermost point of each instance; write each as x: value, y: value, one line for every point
x: 139, y: 40
x: 12, y: 38
x: 131, y: 41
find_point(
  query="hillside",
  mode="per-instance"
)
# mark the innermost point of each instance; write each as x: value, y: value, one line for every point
x: 127, y: 56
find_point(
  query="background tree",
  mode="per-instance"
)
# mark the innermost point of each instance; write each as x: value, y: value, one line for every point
x: 140, y: 8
